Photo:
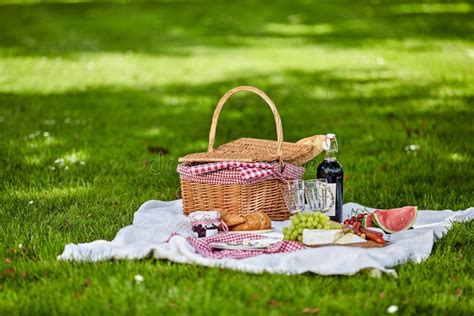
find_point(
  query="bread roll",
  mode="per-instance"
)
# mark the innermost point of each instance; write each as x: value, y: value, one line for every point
x: 265, y: 222
x: 252, y: 222
x: 232, y: 219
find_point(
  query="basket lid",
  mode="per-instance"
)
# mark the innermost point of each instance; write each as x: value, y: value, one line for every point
x: 251, y: 149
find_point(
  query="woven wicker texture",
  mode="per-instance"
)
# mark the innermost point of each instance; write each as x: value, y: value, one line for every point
x: 265, y: 196
x: 251, y: 149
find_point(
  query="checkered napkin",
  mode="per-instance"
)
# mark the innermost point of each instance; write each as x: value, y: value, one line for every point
x: 237, y: 172
x: 203, y: 247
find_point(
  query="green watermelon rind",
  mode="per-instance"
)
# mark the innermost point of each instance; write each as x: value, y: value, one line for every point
x: 376, y: 222
x: 367, y: 221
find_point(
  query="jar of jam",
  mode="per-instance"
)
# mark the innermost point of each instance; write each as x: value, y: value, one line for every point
x: 205, y: 223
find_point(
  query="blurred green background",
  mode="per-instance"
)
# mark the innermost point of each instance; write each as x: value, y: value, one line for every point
x: 98, y: 100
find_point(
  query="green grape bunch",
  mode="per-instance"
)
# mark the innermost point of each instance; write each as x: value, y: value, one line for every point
x: 304, y: 220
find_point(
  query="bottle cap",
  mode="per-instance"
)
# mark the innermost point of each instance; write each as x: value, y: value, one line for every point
x: 330, y: 143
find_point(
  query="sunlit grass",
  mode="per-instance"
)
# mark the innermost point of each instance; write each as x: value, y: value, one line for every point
x: 298, y: 29
x: 92, y: 70
x: 53, y: 193
x: 459, y: 158
x: 90, y: 93
x: 413, y: 8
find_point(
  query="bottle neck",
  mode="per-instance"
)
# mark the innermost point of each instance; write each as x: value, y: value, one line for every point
x: 330, y: 145
x: 330, y: 156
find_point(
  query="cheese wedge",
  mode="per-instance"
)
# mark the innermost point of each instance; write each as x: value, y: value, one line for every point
x: 314, y: 237
x: 349, y: 239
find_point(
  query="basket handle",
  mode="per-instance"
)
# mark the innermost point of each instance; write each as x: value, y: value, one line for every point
x: 276, y: 116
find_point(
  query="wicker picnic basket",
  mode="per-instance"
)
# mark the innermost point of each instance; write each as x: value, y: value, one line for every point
x: 266, y: 196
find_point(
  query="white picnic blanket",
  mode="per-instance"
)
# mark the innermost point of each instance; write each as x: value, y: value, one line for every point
x: 155, y: 221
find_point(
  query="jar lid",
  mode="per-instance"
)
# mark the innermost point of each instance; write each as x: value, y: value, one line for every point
x: 204, y: 215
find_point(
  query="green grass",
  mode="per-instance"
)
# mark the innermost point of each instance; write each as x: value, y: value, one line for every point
x: 100, y: 83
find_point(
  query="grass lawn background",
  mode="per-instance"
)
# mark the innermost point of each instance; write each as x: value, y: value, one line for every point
x: 89, y: 92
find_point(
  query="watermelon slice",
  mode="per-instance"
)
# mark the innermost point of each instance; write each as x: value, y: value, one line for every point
x: 395, y: 219
x: 367, y: 220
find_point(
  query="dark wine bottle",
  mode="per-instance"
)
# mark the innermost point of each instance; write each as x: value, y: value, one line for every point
x: 331, y: 170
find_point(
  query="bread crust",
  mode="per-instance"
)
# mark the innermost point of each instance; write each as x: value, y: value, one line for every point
x: 232, y: 219
x: 265, y: 222
x: 252, y: 222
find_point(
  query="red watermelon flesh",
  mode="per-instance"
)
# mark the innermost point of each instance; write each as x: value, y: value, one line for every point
x: 395, y: 219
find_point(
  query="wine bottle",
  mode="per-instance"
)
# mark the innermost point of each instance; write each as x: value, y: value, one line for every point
x: 331, y: 170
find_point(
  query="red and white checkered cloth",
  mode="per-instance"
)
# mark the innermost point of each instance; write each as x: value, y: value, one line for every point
x: 203, y: 248
x: 237, y: 172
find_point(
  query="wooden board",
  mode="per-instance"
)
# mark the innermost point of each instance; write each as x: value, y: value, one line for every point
x: 261, y: 231
x: 368, y: 244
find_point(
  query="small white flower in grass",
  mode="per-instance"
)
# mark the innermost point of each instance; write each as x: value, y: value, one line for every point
x: 20, y: 246
x: 138, y: 278
x: 412, y: 148
x: 59, y: 161
x: 392, y: 309
x: 72, y: 158
x: 30, y: 202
